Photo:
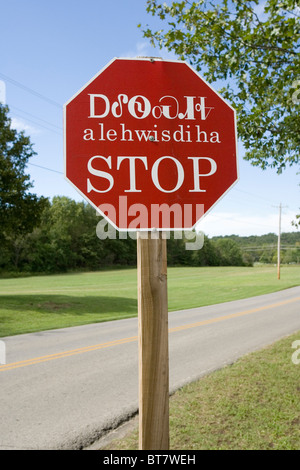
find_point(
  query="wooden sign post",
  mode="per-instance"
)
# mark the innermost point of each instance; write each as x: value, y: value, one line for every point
x: 153, y: 343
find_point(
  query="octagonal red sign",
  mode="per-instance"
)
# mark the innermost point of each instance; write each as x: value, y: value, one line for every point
x: 150, y: 144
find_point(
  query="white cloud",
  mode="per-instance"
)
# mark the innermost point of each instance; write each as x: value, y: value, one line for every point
x: 144, y: 49
x: 222, y: 223
x: 21, y: 125
x: 141, y: 49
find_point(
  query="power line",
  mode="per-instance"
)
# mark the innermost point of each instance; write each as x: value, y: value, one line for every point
x: 270, y: 247
x: 30, y: 90
x: 240, y: 221
x: 253, y: 195
x: 45, y: 168
x: 36, y: 117
x: 41, y: 125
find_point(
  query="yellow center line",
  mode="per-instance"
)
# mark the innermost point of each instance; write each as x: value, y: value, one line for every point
x: 233, y: 315
x: 72, y: 352
x: 50, y: 357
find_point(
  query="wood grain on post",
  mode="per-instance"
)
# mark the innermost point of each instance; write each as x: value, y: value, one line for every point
x: 153, y: 343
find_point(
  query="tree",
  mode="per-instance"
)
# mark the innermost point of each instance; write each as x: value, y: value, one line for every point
x: 207, y: 256
x: 177, y: 253
x: 20, y: 210
x: 255, y: 50
x: 66, y: 240
x: 228, y: 252
x: 71, y: 230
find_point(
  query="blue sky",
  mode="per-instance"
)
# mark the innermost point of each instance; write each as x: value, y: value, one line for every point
x: 49, y: 50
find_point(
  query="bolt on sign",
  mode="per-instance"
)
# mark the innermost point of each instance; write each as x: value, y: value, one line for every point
x: 150, y: 144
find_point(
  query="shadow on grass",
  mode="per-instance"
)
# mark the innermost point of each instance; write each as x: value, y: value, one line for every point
x: 35, y: 313
x: 68, y: 304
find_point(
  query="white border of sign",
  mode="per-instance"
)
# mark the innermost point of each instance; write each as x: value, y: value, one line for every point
x: 91, y: 203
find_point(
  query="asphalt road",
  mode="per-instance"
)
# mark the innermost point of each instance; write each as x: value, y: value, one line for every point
x: 61, y: 389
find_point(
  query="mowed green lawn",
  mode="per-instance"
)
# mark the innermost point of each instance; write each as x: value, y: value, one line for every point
x: 45, y: 302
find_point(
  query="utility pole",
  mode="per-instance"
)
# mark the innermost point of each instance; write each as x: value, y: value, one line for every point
x: 278, y: 244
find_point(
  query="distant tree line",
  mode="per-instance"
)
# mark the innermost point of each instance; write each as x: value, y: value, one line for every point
x: 65, y: 239
x: 263, y: 248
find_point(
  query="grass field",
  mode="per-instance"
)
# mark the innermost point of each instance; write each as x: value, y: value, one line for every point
x: 45, y: 302
x: 252, y: 405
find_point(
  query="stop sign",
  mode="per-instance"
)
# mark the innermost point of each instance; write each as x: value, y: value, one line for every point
x: 150, y: 144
